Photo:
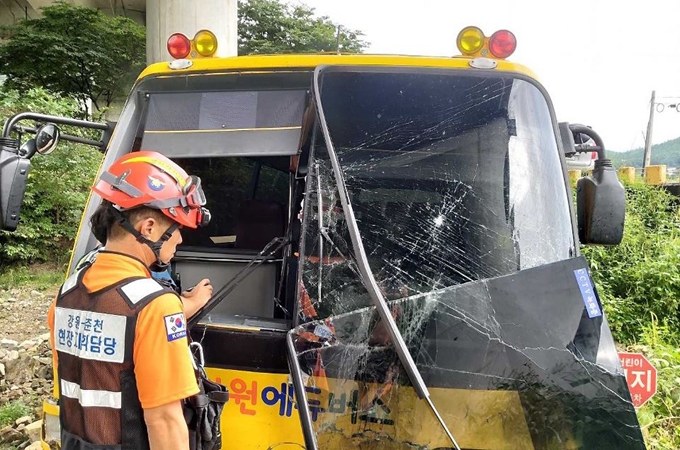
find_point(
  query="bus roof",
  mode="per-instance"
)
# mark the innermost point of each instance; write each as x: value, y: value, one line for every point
x: 299, y: 61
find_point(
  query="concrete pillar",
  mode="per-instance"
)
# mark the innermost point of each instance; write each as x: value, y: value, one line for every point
x: 165, y: 17
x: 13, y: 12
x: 627, y: 174
x: 655, y: 175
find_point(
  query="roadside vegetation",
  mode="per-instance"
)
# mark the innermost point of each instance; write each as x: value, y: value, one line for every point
x: 13, y: 411
x: 639, y: 284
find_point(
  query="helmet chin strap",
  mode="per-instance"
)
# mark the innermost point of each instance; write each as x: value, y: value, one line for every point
x: 155, y: 246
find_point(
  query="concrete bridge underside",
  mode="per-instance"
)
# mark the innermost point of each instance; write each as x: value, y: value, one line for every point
x: 161, y: 17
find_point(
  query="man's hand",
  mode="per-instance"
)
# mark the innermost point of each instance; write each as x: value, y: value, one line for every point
x: 197, y: 297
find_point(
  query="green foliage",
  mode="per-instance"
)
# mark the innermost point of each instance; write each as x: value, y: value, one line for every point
x: 38, y: 277
x: 57, y: 190
x: 660, y: 416
x: 36, y: 100
x: 271, y: 26
x: 58, y: 187
x: 639, y: 284
x: 667, y: 153
x: 75, y: 51
x: 10, y: 412
x: 641, y: 276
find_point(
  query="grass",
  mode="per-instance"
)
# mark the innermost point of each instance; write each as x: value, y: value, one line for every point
x: 36, y: 276
x: 10, y: 412
x: 660, y: 417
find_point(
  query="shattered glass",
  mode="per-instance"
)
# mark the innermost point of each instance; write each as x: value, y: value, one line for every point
x: 462, y: 209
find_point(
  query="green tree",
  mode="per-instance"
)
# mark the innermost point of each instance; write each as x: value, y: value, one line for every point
x: 667, y: 153
x: 58, y: 186
x: 270, y: 26
x: 74, y: 51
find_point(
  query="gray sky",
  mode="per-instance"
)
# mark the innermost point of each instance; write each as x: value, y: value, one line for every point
x: 598, y: 59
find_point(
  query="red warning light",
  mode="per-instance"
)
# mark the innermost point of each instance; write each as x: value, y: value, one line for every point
x: 179, y: 46
x: 502, y: 43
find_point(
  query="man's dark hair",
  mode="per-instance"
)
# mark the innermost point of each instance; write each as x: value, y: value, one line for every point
x: 104, y: 221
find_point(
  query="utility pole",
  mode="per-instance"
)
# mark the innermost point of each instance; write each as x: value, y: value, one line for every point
x: 648, y: 138
x: 337, y: 39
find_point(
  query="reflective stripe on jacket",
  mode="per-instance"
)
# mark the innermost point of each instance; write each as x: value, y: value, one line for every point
x: 94, y: 338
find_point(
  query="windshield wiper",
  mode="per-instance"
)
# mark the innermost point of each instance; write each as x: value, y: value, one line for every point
x: 265, y: 254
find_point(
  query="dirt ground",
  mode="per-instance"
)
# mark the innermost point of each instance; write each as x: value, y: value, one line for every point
x: 23, y: 312
x: 25, y: 359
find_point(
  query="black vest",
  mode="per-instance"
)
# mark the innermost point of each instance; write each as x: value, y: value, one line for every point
x: 94, y: 337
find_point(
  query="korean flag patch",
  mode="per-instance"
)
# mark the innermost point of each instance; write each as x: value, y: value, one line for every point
x: 175, y: 326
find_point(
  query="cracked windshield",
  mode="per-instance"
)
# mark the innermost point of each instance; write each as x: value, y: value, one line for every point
x: 466, y: 231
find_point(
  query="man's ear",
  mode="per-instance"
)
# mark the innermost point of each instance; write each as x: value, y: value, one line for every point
x: 146, y: 227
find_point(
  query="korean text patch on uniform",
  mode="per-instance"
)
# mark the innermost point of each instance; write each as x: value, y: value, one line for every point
x: 90, y: 335
x: 175, y: 326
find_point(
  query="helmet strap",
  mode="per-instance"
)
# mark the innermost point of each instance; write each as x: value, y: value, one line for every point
x: 155, y: 246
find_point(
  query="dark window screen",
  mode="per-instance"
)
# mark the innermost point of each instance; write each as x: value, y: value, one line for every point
x: 225, y: 110
x: 228, y: 183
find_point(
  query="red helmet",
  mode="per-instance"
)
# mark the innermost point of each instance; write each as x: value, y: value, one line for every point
x: 147, y: 178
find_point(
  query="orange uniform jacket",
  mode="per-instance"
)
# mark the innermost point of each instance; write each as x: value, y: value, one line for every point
x: 163, y: 366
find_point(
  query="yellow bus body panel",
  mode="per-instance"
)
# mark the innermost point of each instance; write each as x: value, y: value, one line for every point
x: 261, y: 414
x: 272, y: 62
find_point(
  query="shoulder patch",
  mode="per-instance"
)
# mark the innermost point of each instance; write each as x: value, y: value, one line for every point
x: 139, y: 289
x: 89, y: 258
x: 175, y: 326
x: 70, y: 283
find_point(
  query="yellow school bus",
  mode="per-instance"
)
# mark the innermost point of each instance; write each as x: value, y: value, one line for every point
x: 394, y: 247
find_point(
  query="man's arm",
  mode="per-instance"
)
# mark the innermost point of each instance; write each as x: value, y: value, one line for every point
x: 164, y: 371
x: 167, y: 428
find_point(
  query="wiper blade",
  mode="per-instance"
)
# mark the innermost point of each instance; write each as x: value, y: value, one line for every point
x: 265, y: 254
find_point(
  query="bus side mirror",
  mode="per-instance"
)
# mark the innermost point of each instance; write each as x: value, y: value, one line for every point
x: 45, y: 141
x: 13, y: 178
x: 47, y: 138
x: 601, y: 207
x: 600, y: 197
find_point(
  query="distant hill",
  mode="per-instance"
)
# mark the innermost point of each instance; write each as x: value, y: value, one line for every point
x: 667, y: 153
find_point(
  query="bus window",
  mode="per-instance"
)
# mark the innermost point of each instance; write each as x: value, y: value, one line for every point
x: 248, y: 199
x: 229, y: 183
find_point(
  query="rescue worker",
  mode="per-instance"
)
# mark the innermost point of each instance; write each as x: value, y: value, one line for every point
x: 119, y: 337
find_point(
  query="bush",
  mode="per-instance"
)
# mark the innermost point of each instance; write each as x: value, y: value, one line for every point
x: 38, y: 276
x: 10, y: 412
x: 58, y: 187
x: 641, y: 276
x: 660, y: 416
x: 639, y: 285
